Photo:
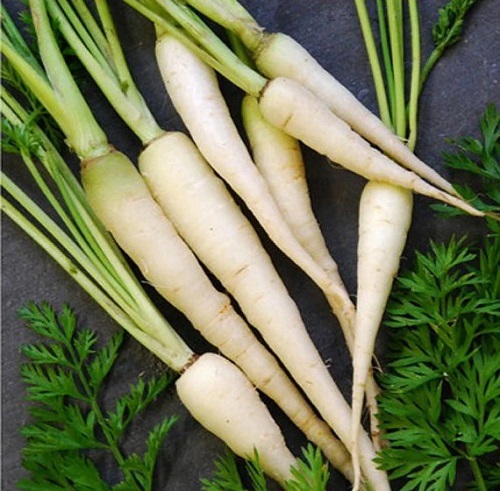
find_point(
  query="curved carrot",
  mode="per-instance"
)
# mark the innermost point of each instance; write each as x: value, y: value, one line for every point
x: 296, y: 110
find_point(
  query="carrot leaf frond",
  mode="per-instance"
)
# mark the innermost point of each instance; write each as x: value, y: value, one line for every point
x: 446, y: 32
x: 311, y: 472
x: 64, y: 375
x: 479, y: 160
x: 438, y: 407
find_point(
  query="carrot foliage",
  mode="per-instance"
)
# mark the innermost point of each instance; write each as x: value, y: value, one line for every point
x: 479, y: 159
x: 311, y: 473
x: 65, y: 377
x: 439, y: 407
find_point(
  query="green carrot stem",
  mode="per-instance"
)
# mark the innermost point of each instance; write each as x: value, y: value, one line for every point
x: 17, y: 114
x: 82, y: 12
x: 203, y: 42
x: 373, y: 58
x: 167, y: 346
x: 122, y: 70
x: 83, y: 133
x: 87, y: 29
x: 394, y: 19
x: 83, y: 224
x: 415, y: 74
x: 110, y: 436
x: 65, y: 262
x: 123, y: 97
x: 240, y: 49
x: 11, y: 34
x: 38, y: 82
x: 386, y: 56
x: 448, y: 34
x: 68, y: 243
x: 123, y: 73
x: 231, y: 15
x: 51, y: 161
x: 429, y: 65
x: 478, y: 476
x: 54, y: 202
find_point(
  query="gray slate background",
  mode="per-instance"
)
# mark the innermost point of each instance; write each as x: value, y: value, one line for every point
x: 459, y: 89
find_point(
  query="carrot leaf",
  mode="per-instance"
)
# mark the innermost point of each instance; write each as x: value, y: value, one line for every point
x: 64, y: 376
x: 310, y: 473
x: 439, y: 406
x: 479, y: 160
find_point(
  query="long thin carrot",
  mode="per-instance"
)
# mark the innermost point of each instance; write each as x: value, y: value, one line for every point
x: 194, y: 91
x: 384, y: 220
x: 288, y: 105
x: 385, y: 211
x: 279, y: 158
x: 142, y: 230
x: 279, y: 55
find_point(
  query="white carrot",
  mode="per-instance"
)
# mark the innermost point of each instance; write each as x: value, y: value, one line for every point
x: 385, y: 211
x: 194, y: 91
x: 279, y: 158
x: 222, y: 399
x: 143, y: 231
x: 296, y: 110
x: 281, y: 56
x: 202, y: 210
x: 278, y: 55
x: 384, y: 219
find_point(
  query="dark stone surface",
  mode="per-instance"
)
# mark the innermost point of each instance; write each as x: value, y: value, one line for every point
x: 466, y: 79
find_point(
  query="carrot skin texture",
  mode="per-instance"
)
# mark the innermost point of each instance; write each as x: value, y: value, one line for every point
x: 207, y: 222
x: 280, y: 55
x: 384, y: 220
x: 278, y: 156
x: 194, y: 91
x: 293, y: 108
x: 138, y: 224
x: 222, y: 399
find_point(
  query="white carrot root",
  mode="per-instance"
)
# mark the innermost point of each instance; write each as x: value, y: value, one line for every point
x: 384, y: 219
x: 293, y: 108
x: 281, y: 56
x: 140, y: 227
x: 202, y: 210
x: 194, y: 91
x: 223, y: 401
x: 279, y: 158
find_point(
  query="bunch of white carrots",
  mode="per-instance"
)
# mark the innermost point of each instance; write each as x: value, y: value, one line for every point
x: 176, y: 208
x: 216, y: 393
x: 293, y: 98
x: 204, y: 214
